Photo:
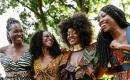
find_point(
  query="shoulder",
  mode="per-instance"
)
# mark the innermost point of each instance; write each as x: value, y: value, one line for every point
x: 26, y: 46
x: 64, y: 57
x: 3, y: 49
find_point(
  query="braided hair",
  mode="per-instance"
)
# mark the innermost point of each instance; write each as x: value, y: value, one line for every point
x: 104, y: 38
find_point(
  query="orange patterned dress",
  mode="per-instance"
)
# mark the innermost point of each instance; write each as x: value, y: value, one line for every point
x: 48, y: 73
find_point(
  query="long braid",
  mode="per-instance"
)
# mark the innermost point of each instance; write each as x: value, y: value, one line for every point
x: 103, y: 50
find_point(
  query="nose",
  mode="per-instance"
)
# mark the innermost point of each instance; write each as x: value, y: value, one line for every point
x: 70, y: 35
x: 100, y: 20
x: 19, y: 33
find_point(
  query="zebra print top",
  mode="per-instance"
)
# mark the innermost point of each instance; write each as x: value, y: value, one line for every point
x: 24, y: 63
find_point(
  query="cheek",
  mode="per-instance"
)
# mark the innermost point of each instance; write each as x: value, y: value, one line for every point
x: 43, y: 41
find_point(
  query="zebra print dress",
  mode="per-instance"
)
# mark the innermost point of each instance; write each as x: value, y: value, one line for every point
x: 24, y: 63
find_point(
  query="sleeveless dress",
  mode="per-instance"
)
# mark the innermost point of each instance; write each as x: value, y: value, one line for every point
x: 22, y: 65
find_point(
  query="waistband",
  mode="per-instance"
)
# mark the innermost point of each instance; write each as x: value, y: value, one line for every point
x: 18, y: 74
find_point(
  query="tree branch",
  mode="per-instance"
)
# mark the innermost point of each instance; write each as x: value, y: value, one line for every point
x: 35, y: 12
x: 68, y: 5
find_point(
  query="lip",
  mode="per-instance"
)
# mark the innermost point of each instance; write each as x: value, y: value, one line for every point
x: 49, y: 41
x: 19, y: 37
x: 71, y: 39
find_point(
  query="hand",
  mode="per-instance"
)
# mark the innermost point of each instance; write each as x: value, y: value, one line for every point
x: 115, y: 44
x: 37, y: 77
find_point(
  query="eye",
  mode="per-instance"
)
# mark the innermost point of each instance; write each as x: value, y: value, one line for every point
x: 101, y: 16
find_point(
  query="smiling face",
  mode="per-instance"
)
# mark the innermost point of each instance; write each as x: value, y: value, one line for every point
x: 72, y: 37
x: 47, y: 39
x: 106, y: 22
x: 16, y: 33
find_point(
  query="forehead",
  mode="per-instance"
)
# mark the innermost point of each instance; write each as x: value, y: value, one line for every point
x: 15, y: 26
x: 46, y: 33
x: 101, y: 13
x: 71, y: 30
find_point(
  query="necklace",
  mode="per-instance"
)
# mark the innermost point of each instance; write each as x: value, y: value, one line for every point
x: 76, y: 47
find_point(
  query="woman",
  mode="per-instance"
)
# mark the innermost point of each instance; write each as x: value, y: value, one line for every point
x: 77, y: 34
x: 47, y: 56
x: 113, y: 44
x: 15, y: 57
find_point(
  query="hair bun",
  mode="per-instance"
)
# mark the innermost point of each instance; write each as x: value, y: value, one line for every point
x: 10, y: 20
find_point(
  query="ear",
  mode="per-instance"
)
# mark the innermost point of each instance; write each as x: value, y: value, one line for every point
x: 8, y: 37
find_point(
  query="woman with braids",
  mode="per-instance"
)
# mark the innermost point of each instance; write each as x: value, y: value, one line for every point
x: 15, y: 58
x: 76, y: 64
x: 113, y: 44
x: 47, y: 55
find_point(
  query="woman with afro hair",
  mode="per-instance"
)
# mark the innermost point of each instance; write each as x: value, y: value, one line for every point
x: 77, y: 64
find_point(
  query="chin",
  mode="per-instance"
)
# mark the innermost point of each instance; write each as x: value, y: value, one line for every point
x: 49, y: 45
x: 105, y: 30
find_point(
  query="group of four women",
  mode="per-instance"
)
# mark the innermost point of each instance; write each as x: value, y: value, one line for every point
x: 44, y: 60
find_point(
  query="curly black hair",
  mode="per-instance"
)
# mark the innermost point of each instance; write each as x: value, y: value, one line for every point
x: 104, y: 38
x: 36, y: 46
x: 81, y: 24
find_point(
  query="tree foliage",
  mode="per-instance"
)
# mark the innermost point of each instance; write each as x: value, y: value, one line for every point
x: 48, y: 13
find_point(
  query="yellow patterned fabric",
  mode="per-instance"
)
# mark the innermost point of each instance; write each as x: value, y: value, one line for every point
x: 48, y: 73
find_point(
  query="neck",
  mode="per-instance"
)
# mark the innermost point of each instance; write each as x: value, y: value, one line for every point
x: 18, y: 46
x: 76, y: 47
x: 117, y: 33
x: 45, y: 51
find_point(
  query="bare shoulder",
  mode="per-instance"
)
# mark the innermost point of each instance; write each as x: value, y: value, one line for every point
x: 26, y: 46
x: 3, y: 49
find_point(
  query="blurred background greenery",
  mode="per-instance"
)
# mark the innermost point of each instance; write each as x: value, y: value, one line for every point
x: 46, y: 14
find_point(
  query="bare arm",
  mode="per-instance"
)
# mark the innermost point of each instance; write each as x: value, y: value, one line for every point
x: 115, y: 44
x: 3, y: 49
x: 125, y: 46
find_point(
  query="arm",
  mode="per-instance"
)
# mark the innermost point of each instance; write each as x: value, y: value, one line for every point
x: 125, y: 46
x: 3, y: 49
x: 116, y: 45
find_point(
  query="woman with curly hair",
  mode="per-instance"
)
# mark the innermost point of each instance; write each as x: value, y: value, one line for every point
x: 113, y: 43
x: 47, y: 55
x: 76, y: 64
x: 15, y: 58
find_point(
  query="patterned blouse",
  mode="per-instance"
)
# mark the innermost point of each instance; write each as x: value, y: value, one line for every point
x: 48, y: 73
x: 84, y: 70
x: 120, y: 62
x: 22, y: 67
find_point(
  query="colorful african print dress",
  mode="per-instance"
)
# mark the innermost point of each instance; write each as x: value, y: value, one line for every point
x: 121, y: 64
x: 48, y: 73
x: 84, y: 71
x: 17, y: 70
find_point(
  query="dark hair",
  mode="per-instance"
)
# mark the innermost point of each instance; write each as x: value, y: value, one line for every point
x: 10, y: 21
x: 102, y: 49
x: 104, y: 38
x: 81, y: 24
x: 36, y: 46
x: 117, y: 14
